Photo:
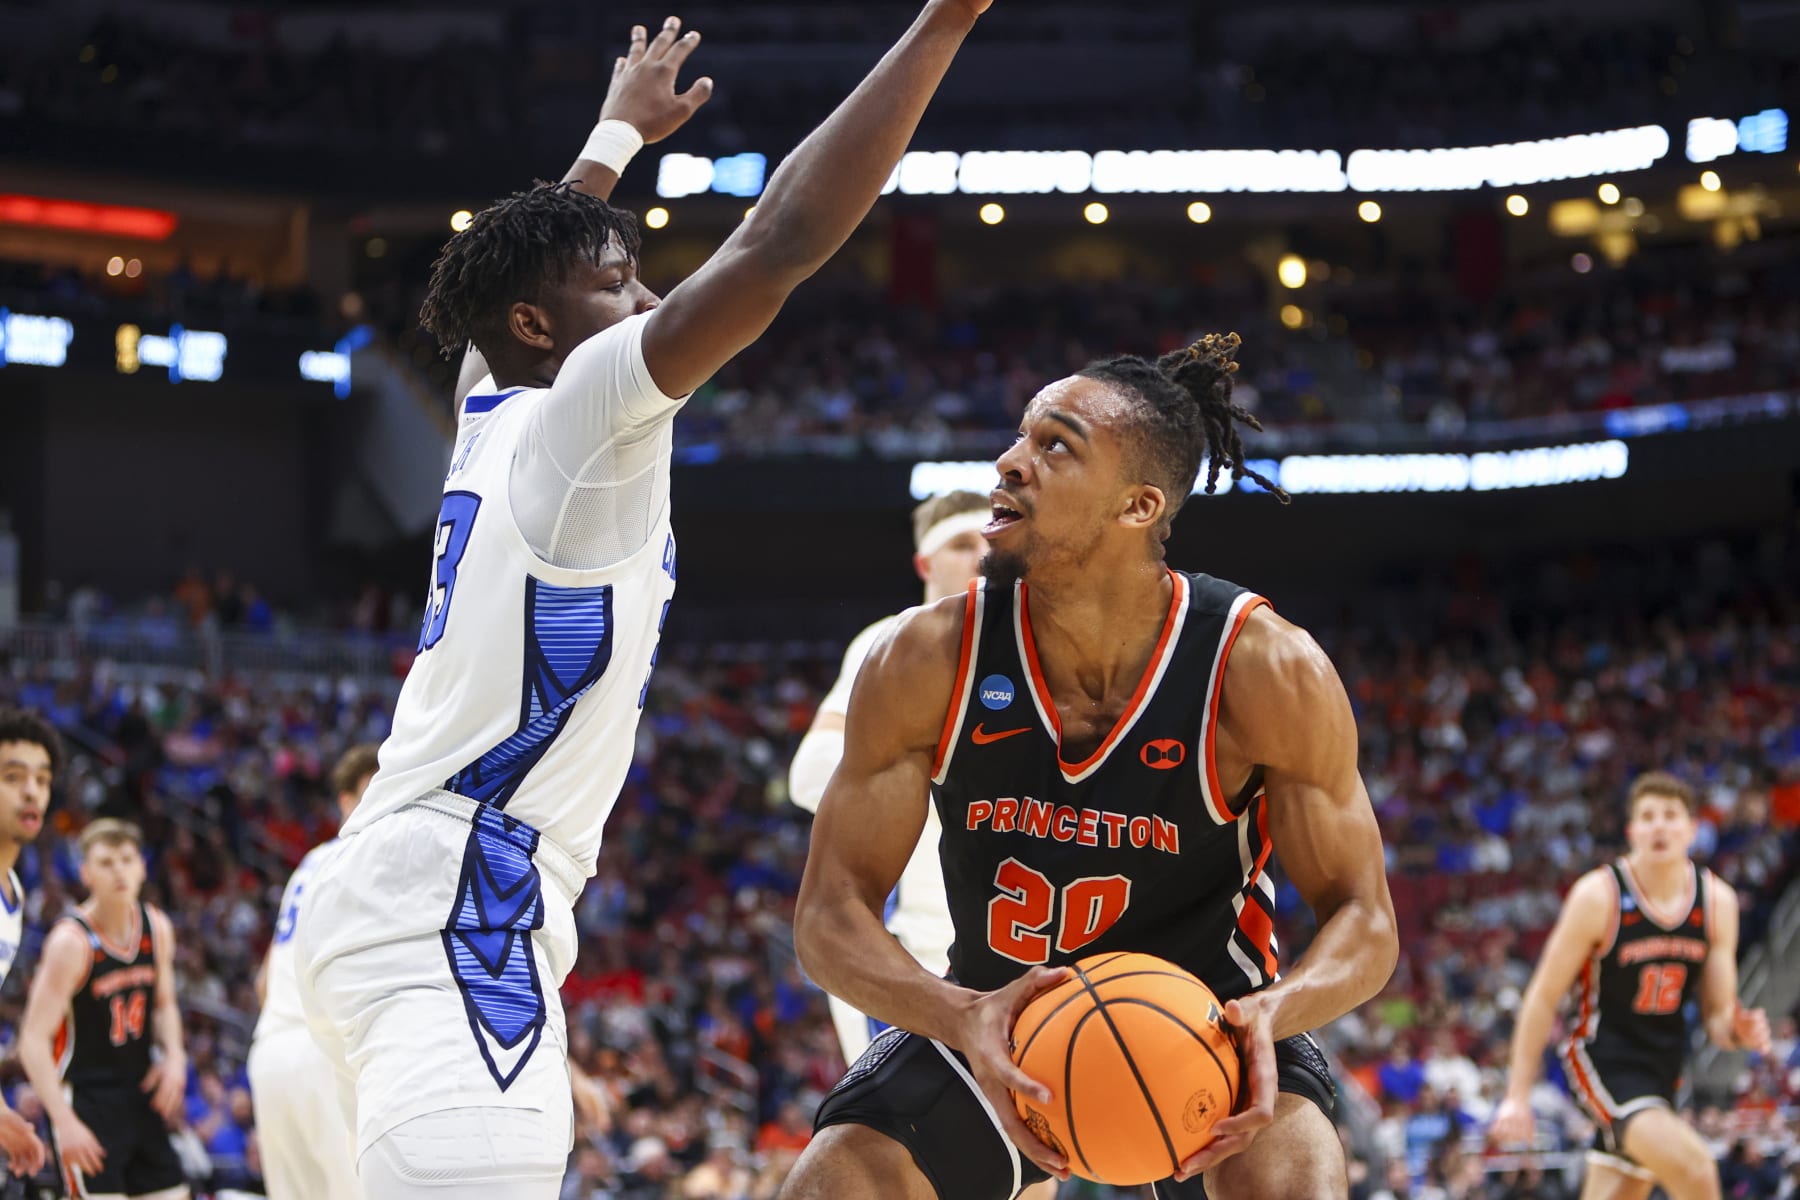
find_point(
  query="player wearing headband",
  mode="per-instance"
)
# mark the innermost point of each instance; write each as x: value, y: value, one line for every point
x: 947, y: 550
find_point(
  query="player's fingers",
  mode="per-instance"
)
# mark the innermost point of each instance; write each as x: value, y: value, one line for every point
x: 697, y: 95
x: 665, y: 37
x: 618, y: 66
x: 1034, y: 982
x: 1015, y: 1080
x: 640, y: 42
x: 684, y: 46
x: 1216, y: 1152
x: 1027, y: 1141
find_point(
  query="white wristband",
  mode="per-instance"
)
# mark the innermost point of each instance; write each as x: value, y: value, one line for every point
x: 613, y: 144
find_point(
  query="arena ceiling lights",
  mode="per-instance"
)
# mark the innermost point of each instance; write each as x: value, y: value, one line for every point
x: 1120, y: 172
x: 1367, y: 474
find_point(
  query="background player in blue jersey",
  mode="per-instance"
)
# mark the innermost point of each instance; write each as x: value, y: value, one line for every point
x: 30, y: 752
x: 1644, y: 937
x: 1178, y: 728
x: 438, y: 935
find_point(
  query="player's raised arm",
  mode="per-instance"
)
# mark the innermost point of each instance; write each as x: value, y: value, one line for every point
x: 868, y: 823
x: 641, y: 108
x: 1728, y: 1024
x: 1581, y: 931
x: 812, y: 205
x: 60, y: 974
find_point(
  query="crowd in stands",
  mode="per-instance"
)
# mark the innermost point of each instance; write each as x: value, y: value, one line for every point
x: 1496, y: 748
x: 846, y: 370
x: 1430, y: 86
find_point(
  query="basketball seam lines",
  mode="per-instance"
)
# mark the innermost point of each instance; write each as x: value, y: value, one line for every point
x: 1069, y: 1086
x: 1026, y: 1048
x: 1143, y: 1088
x: 1230, y: 1089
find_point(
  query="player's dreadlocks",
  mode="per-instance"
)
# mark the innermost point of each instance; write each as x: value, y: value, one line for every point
x: 1187, y: 415
x: 510, y: 252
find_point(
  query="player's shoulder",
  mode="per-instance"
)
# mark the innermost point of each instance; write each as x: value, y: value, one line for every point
x: 68, y: 938
x: 160, y: 923
x: 1275, y: 669
x: 919, y: 650
x: 1596, y: 889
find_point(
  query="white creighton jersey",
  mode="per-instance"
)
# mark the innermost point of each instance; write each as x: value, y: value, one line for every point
x: 12, y: 924
x: 918, y: 912
x: 530, y: 677
x: 281, y: 1010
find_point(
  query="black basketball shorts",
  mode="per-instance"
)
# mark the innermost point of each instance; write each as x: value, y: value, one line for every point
x: 139, y: 1156
x: 1612, y: 1090
x: 920, y: 1093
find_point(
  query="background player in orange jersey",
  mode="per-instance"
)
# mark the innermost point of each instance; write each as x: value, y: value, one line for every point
x: 1644, y: 936
x: 1179, y: 726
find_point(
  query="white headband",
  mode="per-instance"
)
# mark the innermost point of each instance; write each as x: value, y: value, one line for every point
x: 950, y: 527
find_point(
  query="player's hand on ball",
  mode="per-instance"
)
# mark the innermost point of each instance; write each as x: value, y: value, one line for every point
x: 80, y: 1148
x: 24, y: 1152
x: 643, y: 92
x: 1256, y: 1046
x: 1513, y: 1123
x: 986, y: 1041
x: 165, y: 1082
x: 1750, y: 1030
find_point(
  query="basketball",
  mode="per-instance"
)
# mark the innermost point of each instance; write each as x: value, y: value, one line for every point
x: 1139, y: 1063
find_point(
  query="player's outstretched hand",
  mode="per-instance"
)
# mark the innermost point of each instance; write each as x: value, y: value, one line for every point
x: 80, y: 1148
x: 1750, y: 1030
x: 642, y: 93
x: 1513, y: 1123
x: 986, y: 1041
x: 165, y: 1083
x: 1256, y: 1043
x: 24, y: 1152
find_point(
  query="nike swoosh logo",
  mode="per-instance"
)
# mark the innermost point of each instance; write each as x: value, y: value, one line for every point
x: 982, y: 738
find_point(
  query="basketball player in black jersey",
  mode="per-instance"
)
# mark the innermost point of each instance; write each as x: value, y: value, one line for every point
x: 1113, y: 748
x: 1646, y: 935
x: 103, y: 996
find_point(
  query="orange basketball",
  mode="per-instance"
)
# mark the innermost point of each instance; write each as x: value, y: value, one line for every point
x: 1139, y: 1063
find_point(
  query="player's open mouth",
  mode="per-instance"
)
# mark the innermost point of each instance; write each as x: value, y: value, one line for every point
x: 1004, y: 515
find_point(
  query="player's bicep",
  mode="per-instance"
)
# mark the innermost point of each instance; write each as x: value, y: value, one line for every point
x: 61, y: 971
x: 1719, y: 984
x: 1302, y: 730
x: 1581, y: 928
x: 713, y: 315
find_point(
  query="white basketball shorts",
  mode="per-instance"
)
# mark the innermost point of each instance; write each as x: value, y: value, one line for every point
x: 302, y: 1119
x: 431, y: 951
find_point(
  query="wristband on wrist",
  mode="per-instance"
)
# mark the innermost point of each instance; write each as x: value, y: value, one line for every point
x: 613, y: 144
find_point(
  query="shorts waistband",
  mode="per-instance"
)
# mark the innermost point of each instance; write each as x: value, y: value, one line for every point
x: 552, y: 861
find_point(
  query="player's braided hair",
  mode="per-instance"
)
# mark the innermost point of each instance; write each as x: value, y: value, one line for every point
x: 1187, y: 415
x: 510, y: 252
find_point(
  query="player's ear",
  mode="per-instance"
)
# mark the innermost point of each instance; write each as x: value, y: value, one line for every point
x: 1145, y: 505
x: 922, y: 567
x: 531, y: 324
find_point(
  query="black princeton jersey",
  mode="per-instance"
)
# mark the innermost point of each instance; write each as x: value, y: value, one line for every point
x: 1139, y: 847
x: 1632, y: 997
x: 105, y: 1038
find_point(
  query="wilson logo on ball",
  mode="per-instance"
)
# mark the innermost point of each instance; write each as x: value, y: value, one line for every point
x: 1164, y: 754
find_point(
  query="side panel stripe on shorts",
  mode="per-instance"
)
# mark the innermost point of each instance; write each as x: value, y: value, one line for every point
x: 1012, y: 1151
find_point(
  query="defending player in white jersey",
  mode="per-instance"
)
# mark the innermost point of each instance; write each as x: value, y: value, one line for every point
x: 947, y: 547
x: 439, y: 933
x: 30, y: 753
x: 300, y: 1117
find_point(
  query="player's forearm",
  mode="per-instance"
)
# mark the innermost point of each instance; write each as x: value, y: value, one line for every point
x: 1531, y: 1033
x: 829, y: 183
x: 1349, y: 961
x: 594, y: 178
x: 168, y: 1031
x: 40, y: 1071
x: 847, y: 951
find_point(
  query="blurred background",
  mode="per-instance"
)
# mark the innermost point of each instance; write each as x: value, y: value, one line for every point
x: 1519, y: 287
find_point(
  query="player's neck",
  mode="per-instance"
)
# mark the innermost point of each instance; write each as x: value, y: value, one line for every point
x: 9, y: 858
x: 112, y: 916
x: 1661, y: 880
x: 1100, y: 629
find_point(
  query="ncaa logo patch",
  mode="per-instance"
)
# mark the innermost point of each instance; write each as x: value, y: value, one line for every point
x: 996, y: 692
